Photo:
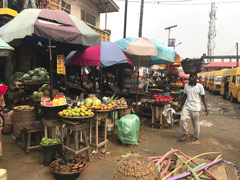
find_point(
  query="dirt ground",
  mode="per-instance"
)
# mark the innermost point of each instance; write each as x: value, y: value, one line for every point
x: 219, y: 132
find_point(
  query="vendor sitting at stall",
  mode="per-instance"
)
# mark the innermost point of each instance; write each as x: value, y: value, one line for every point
x: 88, y: 85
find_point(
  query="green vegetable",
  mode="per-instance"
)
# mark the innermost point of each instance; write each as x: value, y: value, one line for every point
x: 48, y: 141
x: 25, y: 77
x: 34, y: 78
x: 88, y: 101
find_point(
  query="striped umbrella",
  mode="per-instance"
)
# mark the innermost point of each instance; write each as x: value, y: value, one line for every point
x: 147, y: 52
x: 52, y: 26
x: 49, y: 24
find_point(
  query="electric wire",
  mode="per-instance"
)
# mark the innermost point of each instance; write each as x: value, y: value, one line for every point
x: 181, y: 2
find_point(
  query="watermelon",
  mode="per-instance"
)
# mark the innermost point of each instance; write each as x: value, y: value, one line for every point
x: 45, y: 99
x: 58, y: 96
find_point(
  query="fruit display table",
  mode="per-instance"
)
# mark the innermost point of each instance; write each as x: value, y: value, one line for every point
x: 101, y: 116
x: 157, y: 112
x: 79, y: 127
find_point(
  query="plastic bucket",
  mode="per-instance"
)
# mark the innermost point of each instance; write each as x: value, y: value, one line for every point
x: 49, y: 153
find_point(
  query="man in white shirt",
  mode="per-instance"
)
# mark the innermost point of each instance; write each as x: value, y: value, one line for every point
x: 193, y: 95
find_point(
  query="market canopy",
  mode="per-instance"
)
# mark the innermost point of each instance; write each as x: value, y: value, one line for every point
x: 4, y: 48
x: 105, y: 55
x: 49, y: 24
x: 146, y: 52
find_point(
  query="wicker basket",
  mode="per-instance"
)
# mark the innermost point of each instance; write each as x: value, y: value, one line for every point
x: 136, y: 168
x: 125, y: 112
x: 7, y: 129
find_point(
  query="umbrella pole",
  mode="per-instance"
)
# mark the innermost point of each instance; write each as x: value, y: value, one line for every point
x: 101, y: 78
x: 137, y: 91
x: 51, y: 70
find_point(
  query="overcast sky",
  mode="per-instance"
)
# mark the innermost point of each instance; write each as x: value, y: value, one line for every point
x: 192, y: 24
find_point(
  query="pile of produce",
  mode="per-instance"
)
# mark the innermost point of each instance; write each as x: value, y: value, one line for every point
x: 76, y: 112
x: 177, y: 83
x: 44, y: 91
x: 122, y: 103
x: 107, y: 106
x: 177, y: 92
x: 96, y: 103
x: 59, y: 100
x: 48, y: 141
x: 92, y: 102
x: 37, y: 75
x: 23, y: 108
x: 162, y: 99
x: 72, y: 165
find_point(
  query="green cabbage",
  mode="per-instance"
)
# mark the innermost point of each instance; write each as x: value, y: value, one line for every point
x: 97, y: 102
x: 88, y: 101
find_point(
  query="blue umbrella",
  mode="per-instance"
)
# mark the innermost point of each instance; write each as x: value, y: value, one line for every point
x: 146, y: 52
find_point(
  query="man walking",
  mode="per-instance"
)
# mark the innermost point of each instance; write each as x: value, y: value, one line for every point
x: 193, y: 95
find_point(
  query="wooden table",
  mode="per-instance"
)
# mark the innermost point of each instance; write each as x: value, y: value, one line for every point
x: 157, y: 112
x: 79, y: 127
x: 101, y: 115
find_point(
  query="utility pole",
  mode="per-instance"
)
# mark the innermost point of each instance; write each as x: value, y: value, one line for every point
x: 125, y: 19
x: 141, y: 19
x: 237, y: 54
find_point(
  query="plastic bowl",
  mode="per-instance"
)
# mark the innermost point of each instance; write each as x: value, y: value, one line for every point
x: 72, y: 176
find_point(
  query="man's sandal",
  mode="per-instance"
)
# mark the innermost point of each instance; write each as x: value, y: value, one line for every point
x: 194, y: 139
x: 184, y: 137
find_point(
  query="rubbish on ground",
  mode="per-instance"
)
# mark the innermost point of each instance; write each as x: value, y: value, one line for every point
x: 176, y: 165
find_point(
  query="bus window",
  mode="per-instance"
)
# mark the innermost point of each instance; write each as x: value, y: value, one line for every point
x: 218, y: 78
x: 238, y: 79
x: 234, y: 79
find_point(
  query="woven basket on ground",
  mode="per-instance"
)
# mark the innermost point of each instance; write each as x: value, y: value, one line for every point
x: 136, y: 168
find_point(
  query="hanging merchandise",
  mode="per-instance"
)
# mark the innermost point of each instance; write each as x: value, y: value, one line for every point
x: 61, y: 69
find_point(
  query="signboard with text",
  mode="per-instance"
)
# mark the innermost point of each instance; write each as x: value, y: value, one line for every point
x: 171, y: 43
x: 61, y: 69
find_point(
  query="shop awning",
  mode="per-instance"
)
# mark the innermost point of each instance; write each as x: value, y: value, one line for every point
x: 222, y: 65
x: 106, y: 6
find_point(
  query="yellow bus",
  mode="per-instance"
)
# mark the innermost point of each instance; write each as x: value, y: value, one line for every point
x: 215, y: 81
x: 234, y: 84
x: 230, y: 84
x: 203, y: 78
x: 211, y: 81
x: 207, y: 80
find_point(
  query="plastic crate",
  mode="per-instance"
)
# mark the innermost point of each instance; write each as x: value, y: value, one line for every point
x: 191, y: 66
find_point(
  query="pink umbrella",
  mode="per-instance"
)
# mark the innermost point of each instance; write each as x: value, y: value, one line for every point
x: 105, y: 55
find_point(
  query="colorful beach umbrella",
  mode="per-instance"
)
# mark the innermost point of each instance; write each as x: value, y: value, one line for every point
x: 105, y: 55
x: 49, y: 24
x: 146, y: 52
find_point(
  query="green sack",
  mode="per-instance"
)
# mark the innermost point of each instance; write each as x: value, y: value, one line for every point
x: 128, y: 129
